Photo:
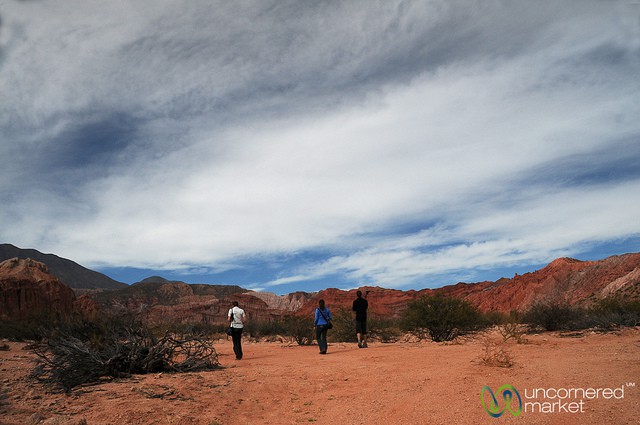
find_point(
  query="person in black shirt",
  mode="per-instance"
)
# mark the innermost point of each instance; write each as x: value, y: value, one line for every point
x: 360, y: 306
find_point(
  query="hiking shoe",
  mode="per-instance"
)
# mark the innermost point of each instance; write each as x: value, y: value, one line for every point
x: 359, y: 344
x: 364, y: 345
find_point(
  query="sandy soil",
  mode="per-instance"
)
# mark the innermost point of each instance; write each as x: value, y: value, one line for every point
x: 408, y: 383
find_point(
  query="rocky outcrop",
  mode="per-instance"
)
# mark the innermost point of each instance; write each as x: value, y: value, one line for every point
x: 27, y: 289
x: 382, y: 302
x: 627, y: 284
x: 288, y: 303
x: 87, y: 307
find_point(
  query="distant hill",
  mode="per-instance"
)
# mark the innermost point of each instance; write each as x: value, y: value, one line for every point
x: 564, y: 280
x: 158, y: 290
x: 70, y: 273
x: 163, y: 300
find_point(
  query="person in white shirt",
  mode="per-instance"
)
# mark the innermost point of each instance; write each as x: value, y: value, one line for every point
x: 236, y: 318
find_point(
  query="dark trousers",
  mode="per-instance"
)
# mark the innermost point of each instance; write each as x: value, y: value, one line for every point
x: 321, y: 336
x: 361, y: 325
x: 236, y: 337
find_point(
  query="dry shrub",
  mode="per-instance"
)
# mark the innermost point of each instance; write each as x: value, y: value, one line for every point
x: 495, y: 354
x: 512, y: 330
x: 83, y: 353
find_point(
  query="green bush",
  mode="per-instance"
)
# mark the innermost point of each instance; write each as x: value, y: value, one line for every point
x: 442, y: 318
x: 604, y: 314
x: 613, y: 312
x: 554, y: 316
x: 344, y: 328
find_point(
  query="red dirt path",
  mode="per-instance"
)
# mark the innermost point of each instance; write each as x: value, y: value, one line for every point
x: 408, y: 383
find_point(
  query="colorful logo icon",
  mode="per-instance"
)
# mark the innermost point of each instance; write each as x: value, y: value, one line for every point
x: 508, y: 394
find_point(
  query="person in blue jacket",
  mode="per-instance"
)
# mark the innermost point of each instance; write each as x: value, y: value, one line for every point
x: 322, y: 322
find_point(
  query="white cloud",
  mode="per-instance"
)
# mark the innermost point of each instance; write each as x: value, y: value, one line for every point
x: 259, y: 136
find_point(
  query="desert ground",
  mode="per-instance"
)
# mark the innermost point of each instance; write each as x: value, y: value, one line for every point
x: 398, y: 383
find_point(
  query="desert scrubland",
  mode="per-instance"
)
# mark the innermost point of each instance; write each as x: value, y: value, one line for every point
x: 561, y: 378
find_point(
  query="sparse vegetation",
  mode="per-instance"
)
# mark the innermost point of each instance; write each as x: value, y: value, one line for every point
x: 383, y: 329
x: 343, y: 327
x: 553, y: 316
x: 84, y: 352
x: 196, y: 328
x: 378, y: 328
x: 299, y: 329
x: 605, y: 314
x: 495, y: 354
x: 30, y: 328
x: 264, y: 328
x: 512, y: 330
x: 442, y: 318
x: 613, y: 312
x: 293, y: 328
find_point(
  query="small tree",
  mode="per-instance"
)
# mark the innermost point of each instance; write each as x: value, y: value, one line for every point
x: 442, y: 318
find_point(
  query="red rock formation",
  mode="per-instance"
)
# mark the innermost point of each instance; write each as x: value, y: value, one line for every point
x: 28, y: 289
x: 290, y: 302
x: 563, y: 280
x: 87, y: 306
x: 382, y: 302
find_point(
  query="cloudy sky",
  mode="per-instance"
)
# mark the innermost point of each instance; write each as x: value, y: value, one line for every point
x: 298, y: 145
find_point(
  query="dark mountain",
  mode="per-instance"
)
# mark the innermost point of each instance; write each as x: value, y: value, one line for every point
x: 163, y: 300
x: 70, y: 273
x: 158, y: 290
